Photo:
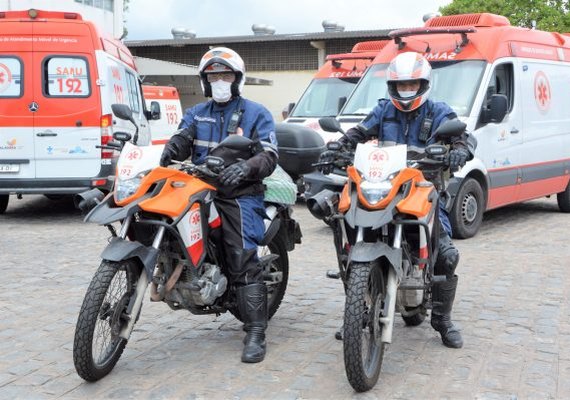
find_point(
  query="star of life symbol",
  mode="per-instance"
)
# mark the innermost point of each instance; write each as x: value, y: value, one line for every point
x: 378, y: 159
x: 542, y: 93
x: 5, y: 78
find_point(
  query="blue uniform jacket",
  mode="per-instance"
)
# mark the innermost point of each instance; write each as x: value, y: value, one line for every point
x: 393, y: 126
x: 212, y: 120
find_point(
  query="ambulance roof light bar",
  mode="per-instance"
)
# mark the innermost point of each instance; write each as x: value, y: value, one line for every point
x: 398, y: 34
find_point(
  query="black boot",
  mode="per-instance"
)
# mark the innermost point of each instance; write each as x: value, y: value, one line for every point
x: 443, y: 294
x: 252, y: 303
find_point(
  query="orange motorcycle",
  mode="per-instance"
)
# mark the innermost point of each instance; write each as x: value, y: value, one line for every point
x: 165, y: 231
x: 386, y: 235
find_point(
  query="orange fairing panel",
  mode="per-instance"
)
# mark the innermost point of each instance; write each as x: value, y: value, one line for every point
x: 174, y: 196
x: 344, y: 203
x: 417, y: 202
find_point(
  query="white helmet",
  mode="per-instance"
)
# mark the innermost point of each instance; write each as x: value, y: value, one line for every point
x: 406, y: 67
x: 221, y: 59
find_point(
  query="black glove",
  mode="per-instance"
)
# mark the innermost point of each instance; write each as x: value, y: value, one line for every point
x: 235, y: 173
x: 327, y: 156
x: 167, y: 154
x: 457, y: 158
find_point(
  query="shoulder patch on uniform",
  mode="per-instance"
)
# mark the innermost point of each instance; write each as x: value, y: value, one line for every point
x: 204, y: 119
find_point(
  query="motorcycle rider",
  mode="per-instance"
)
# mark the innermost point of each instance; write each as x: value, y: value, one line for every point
x: 410, y: 118
x: 240, y: 190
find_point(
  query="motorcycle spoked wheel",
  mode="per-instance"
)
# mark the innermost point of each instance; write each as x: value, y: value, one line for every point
x: 363, y: 349
x: 97, y: 346
x: 279, y: 267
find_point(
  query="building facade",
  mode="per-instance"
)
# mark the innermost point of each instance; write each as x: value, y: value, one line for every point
x: 106, y: 14
x: 287, y: 61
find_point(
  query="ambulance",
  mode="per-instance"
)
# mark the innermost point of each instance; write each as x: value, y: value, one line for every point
x: 511, y: 86
x: 331, y: 85
x: 58, y: 78
x: 164, y: 102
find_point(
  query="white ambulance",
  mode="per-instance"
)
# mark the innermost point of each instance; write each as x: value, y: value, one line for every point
x: 58, y: 79
x: 511, y: 86
x: 164, y: 101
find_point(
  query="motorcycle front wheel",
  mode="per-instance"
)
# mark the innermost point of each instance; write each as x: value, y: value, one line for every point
x: 97, y: 345
x: 363, y: 349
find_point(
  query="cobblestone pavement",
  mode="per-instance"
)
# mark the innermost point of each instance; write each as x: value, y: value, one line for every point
x: 512, y: 305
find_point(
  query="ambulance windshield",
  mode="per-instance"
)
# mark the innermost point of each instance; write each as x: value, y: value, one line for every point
x: 321, y: 99
x: 453, y: 82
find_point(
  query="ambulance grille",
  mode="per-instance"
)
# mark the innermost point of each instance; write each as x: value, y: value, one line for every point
x: 481, y: 20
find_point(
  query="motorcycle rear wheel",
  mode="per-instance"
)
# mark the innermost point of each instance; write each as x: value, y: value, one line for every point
x: 363, y: 349
x: 97, y: 345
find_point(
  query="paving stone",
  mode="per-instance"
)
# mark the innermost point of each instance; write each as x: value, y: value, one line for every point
x: 511, y: 306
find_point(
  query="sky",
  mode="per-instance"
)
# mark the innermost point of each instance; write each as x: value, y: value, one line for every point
x: 152, y: 19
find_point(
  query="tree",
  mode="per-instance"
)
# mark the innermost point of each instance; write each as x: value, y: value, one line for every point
x: 550, y: 15
x: 125, y: 10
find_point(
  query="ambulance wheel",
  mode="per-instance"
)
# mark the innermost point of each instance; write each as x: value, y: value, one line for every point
x: 4, y: 202
x: 564, y: 200
x: 467, y: 212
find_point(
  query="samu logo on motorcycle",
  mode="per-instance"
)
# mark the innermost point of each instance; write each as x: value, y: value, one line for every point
x: 378, y: 158
x: 134, y: 154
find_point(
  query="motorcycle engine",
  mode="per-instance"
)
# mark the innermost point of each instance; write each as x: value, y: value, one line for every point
x: 414, y: 277
x: 202, y: 289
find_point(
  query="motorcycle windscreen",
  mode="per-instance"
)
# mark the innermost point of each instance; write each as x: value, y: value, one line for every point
x: 376, y: 164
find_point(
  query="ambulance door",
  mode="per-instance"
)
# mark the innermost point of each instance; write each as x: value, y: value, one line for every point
x: 499, y: 142
x: 67, y: 120
x: 16, y: 105
x: 545, y: 151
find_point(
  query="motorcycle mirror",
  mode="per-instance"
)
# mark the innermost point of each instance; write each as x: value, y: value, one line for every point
x: 449, y: 129
x: 335, y: 146
x: 330, y: 124
x: 435, y: 150
x: 212, y: 161
x: 122, y: 136
x: 122, y: 111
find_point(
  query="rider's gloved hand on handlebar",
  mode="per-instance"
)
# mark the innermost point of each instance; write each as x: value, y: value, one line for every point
x: 235, y: 173
x: 457, y: 158
x: 167, y: 155
x: 327, y: 156
x: 179, y: 147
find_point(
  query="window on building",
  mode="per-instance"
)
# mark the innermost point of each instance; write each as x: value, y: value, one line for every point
x: 103, y: 4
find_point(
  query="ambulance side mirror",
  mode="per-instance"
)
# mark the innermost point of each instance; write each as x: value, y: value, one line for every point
x: 496, y: 110
x: 154, y: 110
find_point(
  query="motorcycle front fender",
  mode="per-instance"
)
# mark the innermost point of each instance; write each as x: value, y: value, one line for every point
x: 107, y: 212
x: 367, y: 252
x: 120, y: 249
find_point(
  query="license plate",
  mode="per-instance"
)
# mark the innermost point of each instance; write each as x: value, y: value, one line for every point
x: 9, y: 167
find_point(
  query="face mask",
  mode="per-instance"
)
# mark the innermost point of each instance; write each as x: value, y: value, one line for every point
x: 407, y: 93
x: 221, y: 91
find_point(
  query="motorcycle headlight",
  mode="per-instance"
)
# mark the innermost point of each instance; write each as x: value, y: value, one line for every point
x: 125, y: 188
x: 373, y: 192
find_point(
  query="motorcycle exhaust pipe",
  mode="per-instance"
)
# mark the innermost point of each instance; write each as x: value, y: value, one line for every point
x: 323, y: 204
x: 85, y: 201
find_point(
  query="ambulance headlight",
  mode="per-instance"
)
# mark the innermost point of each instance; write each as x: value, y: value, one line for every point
x: 374, y: 192
x: 125, y: 188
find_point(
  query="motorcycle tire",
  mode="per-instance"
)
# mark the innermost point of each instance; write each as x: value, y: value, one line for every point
x: 363, y: 348
x: 102, y: 317
x: 278, y: 268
